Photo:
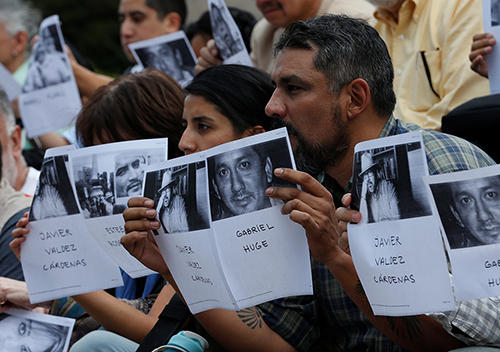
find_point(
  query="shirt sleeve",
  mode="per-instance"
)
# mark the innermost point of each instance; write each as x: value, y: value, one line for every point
x: 458, y: 83
x: 293, y: 318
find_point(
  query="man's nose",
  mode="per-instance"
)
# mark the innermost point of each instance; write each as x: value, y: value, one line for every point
x: 237, y: 183
x: 275, y: 107
x: 126, y: 29
x: 483, y: 212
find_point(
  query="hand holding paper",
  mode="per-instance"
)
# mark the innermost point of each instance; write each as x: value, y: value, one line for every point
x: 482, y: 45
x: 138, y: 241
x: 18, y: 233
x: 313, y: 209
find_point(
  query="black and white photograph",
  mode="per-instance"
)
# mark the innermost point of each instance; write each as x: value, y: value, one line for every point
x: 469, y: 211
x: 495, y: 12
x: 54, y: 195
x: 171, y: 54
x: 94, y: 184
x: 387, y: 183
x: 226, y: 34
x: 238, y: 178
x: 180, y: 197
x: 20, y: 333
x: 49, y: 64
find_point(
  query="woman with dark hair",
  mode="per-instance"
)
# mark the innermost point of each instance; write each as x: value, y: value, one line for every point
x: 224, y: 103
x: 136, y: 106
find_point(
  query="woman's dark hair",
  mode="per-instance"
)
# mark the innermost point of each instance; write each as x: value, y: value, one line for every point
x: 244, y: 20
x: 239, y: 92
x: 141, y: 105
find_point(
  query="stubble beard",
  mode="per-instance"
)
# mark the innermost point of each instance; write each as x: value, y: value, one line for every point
x: 314, y: 157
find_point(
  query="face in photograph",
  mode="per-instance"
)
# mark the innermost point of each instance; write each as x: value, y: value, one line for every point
x: 476, y: 207
x: 222, y: 30
x: 26, y: 335
x: 129, y: 172
x: 240, y: 180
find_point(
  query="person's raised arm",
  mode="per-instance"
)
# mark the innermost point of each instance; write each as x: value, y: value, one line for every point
x: 209, y: 56
x: 482, y: 45
x: 313, y: 208
x: 229, y: 328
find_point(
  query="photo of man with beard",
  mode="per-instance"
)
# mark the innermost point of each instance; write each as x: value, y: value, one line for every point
x: 238, y: 178
x: 227, y: 43
x: 129, y: 172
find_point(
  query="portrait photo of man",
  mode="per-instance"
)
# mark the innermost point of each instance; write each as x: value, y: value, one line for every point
x: 54, y: 195
x: 378, y: 196
x: 227, y: 41
x: 129, y: 172
x: 173, y: 57
x: 495, y: 12
x: 49, y: 66
x: 470, y: 211
x: 238, y: 179
x: 172, y: 208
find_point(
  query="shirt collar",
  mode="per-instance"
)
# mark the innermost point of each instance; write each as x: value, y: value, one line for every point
x: 415, y: 6
x: 389, y: 128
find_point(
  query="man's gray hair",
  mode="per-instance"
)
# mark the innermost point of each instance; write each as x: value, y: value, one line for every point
x: 6, y: 113
x: 17, y: 15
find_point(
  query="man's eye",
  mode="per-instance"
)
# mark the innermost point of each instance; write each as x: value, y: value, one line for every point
x: 136, y: 164
x: 21, y: 329
x: 25, y: 348
x: 121, y: 171
x: 292, y: 88
x: 222, y: 172
x: 465, y: 201
x: 137, y: 18
x: 244, y: 164
x: 491, y: 195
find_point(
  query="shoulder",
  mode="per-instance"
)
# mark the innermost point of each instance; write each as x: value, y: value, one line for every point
x: 262, y: 28
x: 446, y: 153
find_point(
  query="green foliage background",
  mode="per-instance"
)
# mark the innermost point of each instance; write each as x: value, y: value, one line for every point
x: 92, y: 27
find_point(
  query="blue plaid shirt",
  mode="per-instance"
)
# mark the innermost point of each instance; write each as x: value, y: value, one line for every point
x: 331, y: 321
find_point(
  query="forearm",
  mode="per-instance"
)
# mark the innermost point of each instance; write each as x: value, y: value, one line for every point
x: 115, y: 315
x: 414, y: 333
x: 51, y: 140
x: 243, y: 330
x: 89, y: 81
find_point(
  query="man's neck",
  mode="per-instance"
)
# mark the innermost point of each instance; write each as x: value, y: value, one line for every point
x: 361, y: 129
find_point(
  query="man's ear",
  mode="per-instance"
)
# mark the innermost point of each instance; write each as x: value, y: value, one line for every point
x: 172, y: 22
x: 456, y: 216
x: 268, y: 168
x: 359, y: 97
x: 250, y: 131
x: 16, y: 140
x: 21, y: 39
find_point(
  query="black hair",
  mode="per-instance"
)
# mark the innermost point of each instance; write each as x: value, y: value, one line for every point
x: 164, y: 7
x: 347, y: 49
x: 239, y: 92
x: 244, y: 20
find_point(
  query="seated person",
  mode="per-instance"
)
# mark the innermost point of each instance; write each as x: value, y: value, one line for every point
x: 13, y: 205
x: 145, y: 105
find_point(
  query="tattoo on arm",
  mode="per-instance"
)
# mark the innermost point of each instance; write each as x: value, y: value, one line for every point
x: 252, y: 317
x: 406, y: 327
x: 359, y: 289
